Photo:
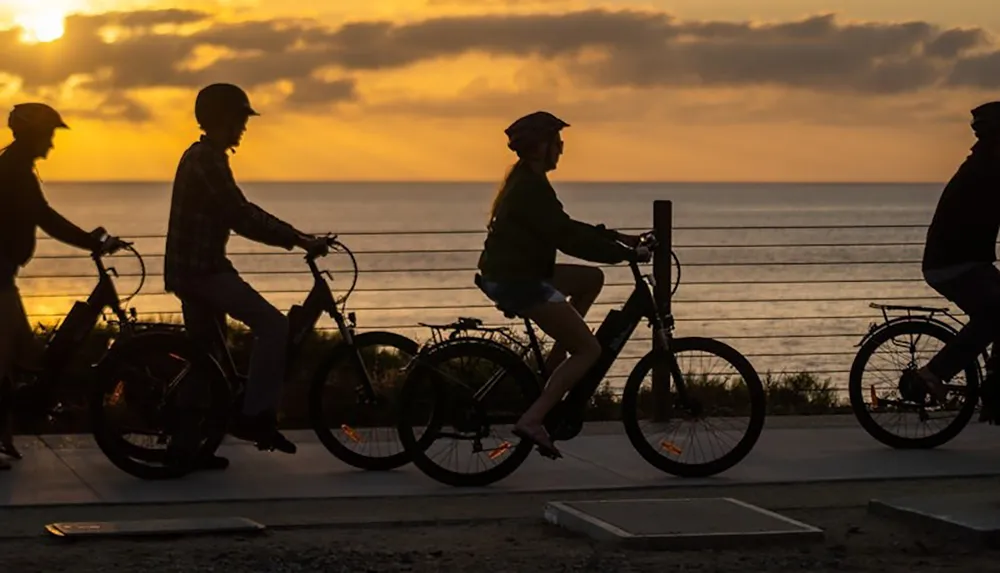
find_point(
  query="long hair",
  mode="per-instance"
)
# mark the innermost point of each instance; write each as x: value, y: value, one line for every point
x: 502, y: 191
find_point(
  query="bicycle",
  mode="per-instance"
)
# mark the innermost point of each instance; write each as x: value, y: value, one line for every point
x: 917, y: 323
x: 213, y: 363
x: 33, y: 393
x: 455, y: 403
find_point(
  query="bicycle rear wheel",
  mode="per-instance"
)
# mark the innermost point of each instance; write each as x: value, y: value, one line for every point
x: 718, y: 401
x: 136, y: 396
x: 893, y: 410
x: 471, y: 391
x: 361, y: 434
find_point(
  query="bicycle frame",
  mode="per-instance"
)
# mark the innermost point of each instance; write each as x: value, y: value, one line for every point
x: 79, y: 322
x: 302, y: 320
x: 566, y: 419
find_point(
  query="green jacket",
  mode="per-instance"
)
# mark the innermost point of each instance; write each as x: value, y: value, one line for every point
x: 530, y: 225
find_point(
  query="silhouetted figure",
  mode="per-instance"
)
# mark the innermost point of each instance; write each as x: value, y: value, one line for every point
x: 959, y: 254
x: 518, y: 263
x: 206, y: 206
x: 23, y: 209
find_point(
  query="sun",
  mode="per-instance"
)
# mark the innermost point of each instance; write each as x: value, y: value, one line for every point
x: 41, y: 25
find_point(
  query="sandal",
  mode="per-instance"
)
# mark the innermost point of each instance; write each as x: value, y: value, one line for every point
x: 541, y: 439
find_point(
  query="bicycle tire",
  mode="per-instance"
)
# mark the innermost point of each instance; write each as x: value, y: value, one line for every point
x: 856, y: 390
x: 758, y: 409
x: 319, y: 418
x: 525, y: 379
x: 129, y: 457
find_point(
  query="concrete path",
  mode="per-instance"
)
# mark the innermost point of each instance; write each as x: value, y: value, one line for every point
x: 71, y: 470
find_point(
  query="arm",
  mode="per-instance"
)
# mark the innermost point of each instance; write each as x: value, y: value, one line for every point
x: 61, y: 229
x: 244, y: 217
x: 575, y: 238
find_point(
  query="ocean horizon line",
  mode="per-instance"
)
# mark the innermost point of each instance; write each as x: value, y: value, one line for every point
x: 493, y: 182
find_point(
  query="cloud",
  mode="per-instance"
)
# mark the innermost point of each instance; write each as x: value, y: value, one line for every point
x: 113, y: 107
x: 980, y: 71
x: 597, y: 48
x: 312, y: 92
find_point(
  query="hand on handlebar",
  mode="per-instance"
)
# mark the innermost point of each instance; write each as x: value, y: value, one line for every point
x: 630, y: 240
x: 643, y: 254
x: 109, y: 245
x: 314, y: 245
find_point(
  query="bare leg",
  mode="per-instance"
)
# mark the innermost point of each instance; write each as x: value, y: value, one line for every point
x: 563, y: 323
x: 582, y: 285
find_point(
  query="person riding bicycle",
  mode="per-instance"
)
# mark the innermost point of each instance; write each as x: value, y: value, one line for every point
x: 206, y: 206
x: 23, y: 209
x: 518, y: 270
x: 959, y: 253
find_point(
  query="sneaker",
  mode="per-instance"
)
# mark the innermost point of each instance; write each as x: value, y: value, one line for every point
x: 262, y: 429
x: 7, y: 448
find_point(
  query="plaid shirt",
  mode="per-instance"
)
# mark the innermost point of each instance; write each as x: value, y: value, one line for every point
x: 206, y: 206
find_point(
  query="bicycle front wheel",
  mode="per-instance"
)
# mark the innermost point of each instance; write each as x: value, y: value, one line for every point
x: 725, y: 396
x: 459, y: 406
x: 359, y: 432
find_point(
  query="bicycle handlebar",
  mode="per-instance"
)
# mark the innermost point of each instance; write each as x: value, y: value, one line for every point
x: 648, y: 240
x: 105, y: 272
x: 334, y: 244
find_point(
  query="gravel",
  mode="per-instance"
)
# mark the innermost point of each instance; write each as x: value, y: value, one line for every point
x: 855, y: 541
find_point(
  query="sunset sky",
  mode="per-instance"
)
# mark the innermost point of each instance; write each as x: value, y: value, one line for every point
x: 686, y: 90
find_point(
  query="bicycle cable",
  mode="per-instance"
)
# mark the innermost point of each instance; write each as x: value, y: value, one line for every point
x: 339, y: 246
x: 142, y: 275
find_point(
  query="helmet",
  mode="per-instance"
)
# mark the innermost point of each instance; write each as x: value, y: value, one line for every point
x: 221, y: 101
x: 986, y: 120
x: 34, y: 117
x: 533, y: 128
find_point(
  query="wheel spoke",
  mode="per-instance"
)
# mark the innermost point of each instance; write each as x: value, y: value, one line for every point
x: 896, y: 415
x: 714, y: 425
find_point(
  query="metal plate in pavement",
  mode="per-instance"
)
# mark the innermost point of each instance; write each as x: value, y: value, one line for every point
x: 972, y: 517
x: 154, y: 527
x: 696, y: 523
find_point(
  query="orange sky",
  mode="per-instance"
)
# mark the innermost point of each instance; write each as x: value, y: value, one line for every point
x: 716, y: 90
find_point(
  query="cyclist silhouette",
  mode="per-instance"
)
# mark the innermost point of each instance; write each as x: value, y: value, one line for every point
x: 206, y: 206
x: 958, y: 260
x: 23, y: 209
x: 518, y: 269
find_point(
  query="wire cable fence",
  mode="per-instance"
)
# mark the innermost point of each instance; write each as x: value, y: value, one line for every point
x: 793, y: 299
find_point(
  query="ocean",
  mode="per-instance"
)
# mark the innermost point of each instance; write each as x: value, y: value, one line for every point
x: 788, y: 307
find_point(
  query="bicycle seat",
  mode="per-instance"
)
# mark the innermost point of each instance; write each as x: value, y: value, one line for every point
x: 507, y: 314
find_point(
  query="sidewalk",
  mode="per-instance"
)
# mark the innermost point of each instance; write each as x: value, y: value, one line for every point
x: 71, y: 470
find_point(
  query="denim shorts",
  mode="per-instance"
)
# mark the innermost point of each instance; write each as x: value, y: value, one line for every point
x: 515, y: 297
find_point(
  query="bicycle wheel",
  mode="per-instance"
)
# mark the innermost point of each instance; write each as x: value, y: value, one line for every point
x: 471, y: 385
x: 717, y: 401
x: 911, y: 407
x: 339, y: 412
x: 136, y: 394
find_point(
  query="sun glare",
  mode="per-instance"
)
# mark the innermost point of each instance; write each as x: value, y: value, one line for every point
x: 41, y: 25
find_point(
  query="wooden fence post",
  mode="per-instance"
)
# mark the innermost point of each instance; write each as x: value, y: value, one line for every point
x: 663, y: 213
